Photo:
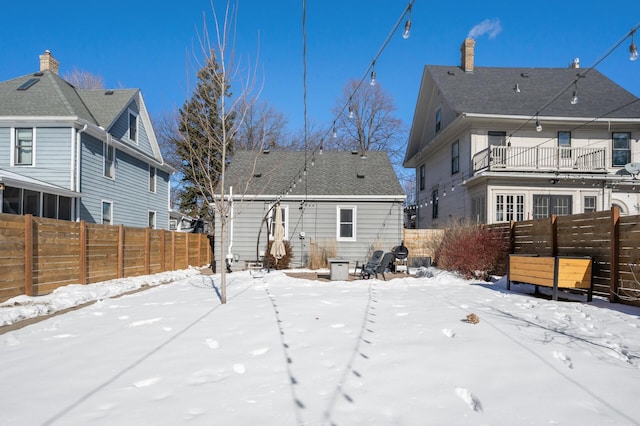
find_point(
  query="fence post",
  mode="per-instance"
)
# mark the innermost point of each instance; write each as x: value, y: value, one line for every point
x: 615, y: 255
x: 121, y: 251
x: 163, y: 263
x: 512, y: 237
x: 82, y: 240
x: 173, y: 250
x: 147, y: 251
x: 28, y: 255
x: 554, y: 235
x: 187, y: 250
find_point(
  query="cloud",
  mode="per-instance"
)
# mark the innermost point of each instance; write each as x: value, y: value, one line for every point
x: 490, y: 26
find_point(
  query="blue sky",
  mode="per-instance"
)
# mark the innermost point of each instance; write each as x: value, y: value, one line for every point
x: 147, y: 44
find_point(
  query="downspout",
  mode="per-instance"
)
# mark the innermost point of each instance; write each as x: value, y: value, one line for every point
x: 75, y: 161
x: 230, y: 246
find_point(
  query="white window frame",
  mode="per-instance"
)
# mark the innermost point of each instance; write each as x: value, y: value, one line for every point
x: 112, y: 168
x: 285, y: 220
x: 510, y: 203
x: 137, y: 128
x: 14, y: 147
x: 353, y: 223
x: 153, y: 173
x: 102, y: 204
x: 154, y: 216
x: 591, y: 208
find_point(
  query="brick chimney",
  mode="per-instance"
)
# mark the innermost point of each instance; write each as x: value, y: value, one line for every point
x: 467, y: 51
x: 48, y: 62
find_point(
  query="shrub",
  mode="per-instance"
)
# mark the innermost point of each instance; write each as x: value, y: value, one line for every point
x: 284, y: 262
x: 471, y: 251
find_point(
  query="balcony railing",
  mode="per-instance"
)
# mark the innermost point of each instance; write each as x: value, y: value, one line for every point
x: 510, y: 158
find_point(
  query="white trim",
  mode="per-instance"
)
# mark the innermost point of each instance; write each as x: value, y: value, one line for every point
x: 353, y: 223
x: 155, y: 219
x: 12, y: 137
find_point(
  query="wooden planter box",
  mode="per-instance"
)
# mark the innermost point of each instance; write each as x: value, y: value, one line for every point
x: 551, y: 271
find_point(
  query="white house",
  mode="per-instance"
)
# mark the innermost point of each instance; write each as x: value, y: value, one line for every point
x: 501, y: 144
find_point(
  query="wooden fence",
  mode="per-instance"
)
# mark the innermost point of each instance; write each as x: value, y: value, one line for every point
x: 421, y: 243
x: 38, y: 255
x: 612, y: 241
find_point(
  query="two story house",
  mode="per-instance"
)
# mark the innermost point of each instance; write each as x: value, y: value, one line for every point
x: 499, y: 144
x: 340, y: 202
x: 74, y: 154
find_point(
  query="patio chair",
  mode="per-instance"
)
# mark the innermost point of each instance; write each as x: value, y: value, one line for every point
x: 374, y: 260
x: 385, y: 262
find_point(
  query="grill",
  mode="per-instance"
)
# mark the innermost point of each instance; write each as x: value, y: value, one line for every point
x: 401, y: 252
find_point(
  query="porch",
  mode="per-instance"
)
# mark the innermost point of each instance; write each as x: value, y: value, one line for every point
x: 511, y: 158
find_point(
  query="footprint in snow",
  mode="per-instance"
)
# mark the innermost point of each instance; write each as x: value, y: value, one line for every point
x: 564, y: 358
x: 469, y: 399
x: 448, y: 332
x: 212, y: 343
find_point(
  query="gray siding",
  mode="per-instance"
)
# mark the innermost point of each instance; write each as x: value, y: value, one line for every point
x: 120, y: 129
x: 129, y: 191
x: 378, y: 225
x: 52, y: 155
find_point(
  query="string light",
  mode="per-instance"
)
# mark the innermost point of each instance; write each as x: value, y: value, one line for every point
x: 407, y: 25
x: 574, y: 97
x: 373, y: 75
x: 633, y: 49
x: 538, y: 125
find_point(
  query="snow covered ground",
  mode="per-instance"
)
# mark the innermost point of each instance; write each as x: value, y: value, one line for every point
x: 287, y: 351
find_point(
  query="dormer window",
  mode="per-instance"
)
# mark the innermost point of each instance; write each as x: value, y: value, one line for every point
x: 133, y: 127
x: 438, y: 120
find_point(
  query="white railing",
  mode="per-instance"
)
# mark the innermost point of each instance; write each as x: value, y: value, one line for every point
x: 510, y: 158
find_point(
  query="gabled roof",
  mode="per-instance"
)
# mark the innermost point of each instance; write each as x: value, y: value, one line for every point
x: 51, y: 95
x: 48, y: 96
x: 489, y: 90
x: 107, y: 105
x: 333, y: 173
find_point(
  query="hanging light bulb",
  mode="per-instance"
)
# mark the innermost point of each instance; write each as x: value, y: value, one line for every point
x: 407, y: 29
x: 538, y: 125
x: 350, y: 111
x: 633, y: 49
x: 574, y: 97
x: 335, y: 132
x: 373, y: 78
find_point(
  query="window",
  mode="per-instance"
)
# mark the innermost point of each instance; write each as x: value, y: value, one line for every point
x: 346, y: 223
x: 107, y: 213
x: 31, y: 202
x: 478, y: 209
x: 438, y: 120
x: 12, y: 200
x: 589, y: 204
x: 152, y: 179
x: 152, y: 219
x: 173, y: 224
x: 564, y: 143
x: 422, y: 177
x: 285, y: 212
x: 509, y: 207
x: 109, y: 163
x: 23, y: 154
x: 547, y: 205
x: 50, y: 206
x: 133, y: 127
x: 64, y: 208
x: 455, y: 157
x: 434, y: 204
x: 621, y: 148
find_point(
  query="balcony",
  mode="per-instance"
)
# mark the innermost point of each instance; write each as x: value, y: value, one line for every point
x: 540, y: 159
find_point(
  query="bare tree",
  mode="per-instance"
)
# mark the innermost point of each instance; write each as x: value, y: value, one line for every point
x: 210, y: 122
x: 365, y: 121
x: 84, y: 80
x: 263, y: 126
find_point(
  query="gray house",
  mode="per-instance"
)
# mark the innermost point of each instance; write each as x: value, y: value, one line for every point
x: 339, y: 202
x: 74, y: 154
x: 500, y: 144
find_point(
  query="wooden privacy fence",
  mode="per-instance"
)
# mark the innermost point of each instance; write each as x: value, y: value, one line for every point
x: 612, y: 241
x: 38, y: 255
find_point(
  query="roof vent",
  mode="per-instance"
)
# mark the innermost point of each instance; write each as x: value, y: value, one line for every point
x: 109, y: 92
x: 258, y: 174
x: 354, y: 152
x: 524, y: 74
x: 38, y: 74
x: 360, y: 175
x: 265, y: 151
x: 575, y: 63
x: 451, y: 73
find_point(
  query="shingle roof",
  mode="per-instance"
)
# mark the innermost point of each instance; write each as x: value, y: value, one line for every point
x: 53, y: 96
x: 333, y: 173
x: 490, y: 90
